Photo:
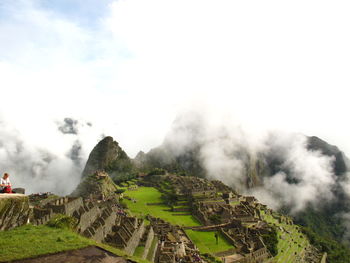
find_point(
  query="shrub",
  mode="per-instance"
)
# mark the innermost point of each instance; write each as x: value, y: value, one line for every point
x: 120, y: 191
x: 216, y: 219
x: 271, y: 241
x: 336, y: 252
x: 63, y: 221
x: 157, y: 171
x: 170, y: 198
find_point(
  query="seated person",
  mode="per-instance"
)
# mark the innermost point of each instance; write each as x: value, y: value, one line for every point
x: 5, y: 184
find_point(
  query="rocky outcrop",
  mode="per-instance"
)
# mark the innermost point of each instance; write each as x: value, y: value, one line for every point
x: 341, y: 161
x: 109, y: 156
x: 14, y: 210
x: 98, y: 186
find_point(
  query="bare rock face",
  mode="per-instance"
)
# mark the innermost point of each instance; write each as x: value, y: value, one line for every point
x: 19, y: 190
x: 105, y: 156
x: 14, y: 210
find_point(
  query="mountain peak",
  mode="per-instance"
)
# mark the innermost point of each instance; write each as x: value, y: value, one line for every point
x: 103, y: 156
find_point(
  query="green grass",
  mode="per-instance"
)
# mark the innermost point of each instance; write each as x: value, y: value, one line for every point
x: 139, y: 251
x: 234, y: 203
x: 286, y: 246
x: 206, y: 241
x: 31, y: 241
x: 145, y: 195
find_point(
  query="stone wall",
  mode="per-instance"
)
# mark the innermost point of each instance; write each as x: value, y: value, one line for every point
x: 261, y: 255
x: 228, y: 238
x: 201, y: 217
x: 182, y: 209
x: 14, y: 210
x: 135, y: 239
x: 102, y: 226
x: 86, y: 216
x: 40, y: 212
x: 148, y: 243
x: 65, y: 205
x: 73, y: 205
x: 41, y: 215
x: 154, y: 252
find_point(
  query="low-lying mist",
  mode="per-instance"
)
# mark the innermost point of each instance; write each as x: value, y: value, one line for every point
x: 276, y: 167
x: 39, y: 166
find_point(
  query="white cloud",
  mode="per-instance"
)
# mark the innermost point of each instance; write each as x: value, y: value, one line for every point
x: 268, y: 64
x: 276, y: 167
x: 310, y: 178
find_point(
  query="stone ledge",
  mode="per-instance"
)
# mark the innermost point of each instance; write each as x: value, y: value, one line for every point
x: 11, y: 195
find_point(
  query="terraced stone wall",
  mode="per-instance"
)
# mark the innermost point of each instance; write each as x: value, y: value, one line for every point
x: 14, y: 210
x: 135, y: 239
x: 148, y: 243
x: 86, y: 215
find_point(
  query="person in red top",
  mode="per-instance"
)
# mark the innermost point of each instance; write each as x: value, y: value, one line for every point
x: 5, y: 184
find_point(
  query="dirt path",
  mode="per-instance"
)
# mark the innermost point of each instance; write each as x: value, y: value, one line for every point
x: 91, y: 254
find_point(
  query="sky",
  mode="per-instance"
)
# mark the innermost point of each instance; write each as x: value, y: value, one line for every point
x: 127, y: 68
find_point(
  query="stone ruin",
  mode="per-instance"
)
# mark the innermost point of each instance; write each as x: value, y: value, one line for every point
x: 215, y: 205
x: 127, y: 233
x: 219, y: 208
x: 174, y: 245
x: 103, y: 221
x: 247, y: 241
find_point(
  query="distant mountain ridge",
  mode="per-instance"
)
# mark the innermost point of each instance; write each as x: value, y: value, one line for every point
x: 327, y: 220
x: 109, y: 156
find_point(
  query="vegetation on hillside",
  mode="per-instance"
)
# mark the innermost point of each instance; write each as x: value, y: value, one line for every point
x: 63, y: 221
x: 325, y: 221
x: 271, y: 241
x: 290, y: 241
x: 96, y: 185
x: 336, y: 252
x: 125, y: 177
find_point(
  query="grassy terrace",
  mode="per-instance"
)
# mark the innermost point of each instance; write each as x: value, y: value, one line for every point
x: 145, y: 195
x: 291, y: 244
x: 205, y: 241
x: 31, y: 241
x: 139, y: 251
